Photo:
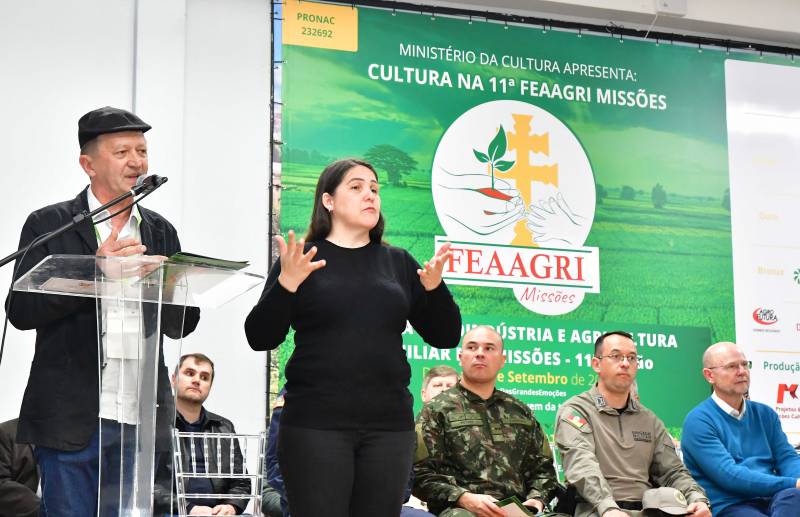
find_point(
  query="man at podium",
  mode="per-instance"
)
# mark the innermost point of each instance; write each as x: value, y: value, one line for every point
x: 79, y: 410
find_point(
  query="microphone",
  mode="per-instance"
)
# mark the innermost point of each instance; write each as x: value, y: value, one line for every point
x: 146, y: 184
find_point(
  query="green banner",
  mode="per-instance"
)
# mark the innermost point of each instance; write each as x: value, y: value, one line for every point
x: 582, y: 179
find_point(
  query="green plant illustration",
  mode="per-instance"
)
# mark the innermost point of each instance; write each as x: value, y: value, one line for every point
x: 496, y: 151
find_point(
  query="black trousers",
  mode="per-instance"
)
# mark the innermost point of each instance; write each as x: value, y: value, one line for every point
x: 345, y: 473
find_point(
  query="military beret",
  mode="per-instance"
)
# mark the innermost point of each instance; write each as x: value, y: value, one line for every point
x: 107, y: 120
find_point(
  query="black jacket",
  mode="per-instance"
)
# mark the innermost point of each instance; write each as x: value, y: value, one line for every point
x: 19, y: 478
x: 60, y: 406
x: 210, y: 423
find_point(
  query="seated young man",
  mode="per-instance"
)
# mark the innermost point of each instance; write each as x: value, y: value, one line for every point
x: 192, y: 382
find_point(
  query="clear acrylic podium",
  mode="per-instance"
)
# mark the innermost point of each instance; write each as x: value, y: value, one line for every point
x: 138, y: 301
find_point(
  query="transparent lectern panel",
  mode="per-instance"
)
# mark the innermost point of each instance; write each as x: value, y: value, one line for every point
x: 135, y: 398
x: 139, y: 300
x: 142, y: 278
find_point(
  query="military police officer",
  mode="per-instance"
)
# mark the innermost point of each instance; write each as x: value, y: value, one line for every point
x: 477, y: 445
x: 616, y: 451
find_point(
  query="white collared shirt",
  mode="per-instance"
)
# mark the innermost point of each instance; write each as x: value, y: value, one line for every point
x: 103, y: 230
x: 121, y: 325
x: 735, y: 413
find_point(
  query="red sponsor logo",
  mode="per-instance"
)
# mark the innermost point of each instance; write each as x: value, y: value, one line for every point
x: 784, y: 389
x: 764, y: 316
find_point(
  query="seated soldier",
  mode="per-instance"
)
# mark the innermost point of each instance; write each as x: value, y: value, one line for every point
x: 436, y: 380
x: 477, y: 445
x: 615, y: 451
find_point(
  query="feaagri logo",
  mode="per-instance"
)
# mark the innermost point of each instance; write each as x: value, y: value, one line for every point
x: 764, y: 316
x: 515, y: 194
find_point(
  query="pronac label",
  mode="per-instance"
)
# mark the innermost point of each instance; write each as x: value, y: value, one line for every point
x: 309, y: 24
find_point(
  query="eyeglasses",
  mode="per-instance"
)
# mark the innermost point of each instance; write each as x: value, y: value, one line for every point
x: 632, y: 359
x: 733, y: 367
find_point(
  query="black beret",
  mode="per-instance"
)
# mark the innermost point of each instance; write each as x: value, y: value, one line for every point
x: 107, y: 120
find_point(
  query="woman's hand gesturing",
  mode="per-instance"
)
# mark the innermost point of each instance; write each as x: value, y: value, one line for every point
x: 431, y: 273
x: 295, y: 264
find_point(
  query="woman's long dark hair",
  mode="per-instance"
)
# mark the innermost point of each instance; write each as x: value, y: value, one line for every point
x: 331, y: 177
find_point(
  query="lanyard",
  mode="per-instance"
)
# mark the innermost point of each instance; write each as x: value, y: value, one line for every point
x: 136, y: 227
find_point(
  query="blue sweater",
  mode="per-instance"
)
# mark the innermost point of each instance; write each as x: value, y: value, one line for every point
x: 738, y: 460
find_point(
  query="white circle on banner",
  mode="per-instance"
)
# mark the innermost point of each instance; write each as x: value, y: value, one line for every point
x: 510, y: 173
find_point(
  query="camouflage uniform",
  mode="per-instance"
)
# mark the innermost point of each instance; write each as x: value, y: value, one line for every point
x: 611, y: 456
x: 467, y: 444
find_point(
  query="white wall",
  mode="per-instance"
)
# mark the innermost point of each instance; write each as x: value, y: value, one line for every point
x: 59, y: 61
x: 198, y: 72
x: 226, y: 157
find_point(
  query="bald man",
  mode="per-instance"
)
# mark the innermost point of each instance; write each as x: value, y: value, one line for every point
x: 735, y: 448
x: 477, y: 445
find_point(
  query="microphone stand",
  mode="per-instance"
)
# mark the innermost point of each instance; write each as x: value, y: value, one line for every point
x: 79, y: 218
x: 143, y: 188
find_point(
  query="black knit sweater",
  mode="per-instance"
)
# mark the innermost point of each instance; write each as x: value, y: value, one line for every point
x: 348, y: 369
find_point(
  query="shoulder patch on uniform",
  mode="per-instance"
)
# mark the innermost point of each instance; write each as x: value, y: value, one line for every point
x: 576, y: 421
x: 278, y: 402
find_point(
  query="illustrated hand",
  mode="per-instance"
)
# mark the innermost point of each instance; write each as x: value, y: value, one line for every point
x: 479, y: 504
x: 473, y: 204
x: 699, y: 509
x: 295, y: 264
x: 534, y: 503
x: 223, y: 509
x: 431, y: 273
x: 553, y: 220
